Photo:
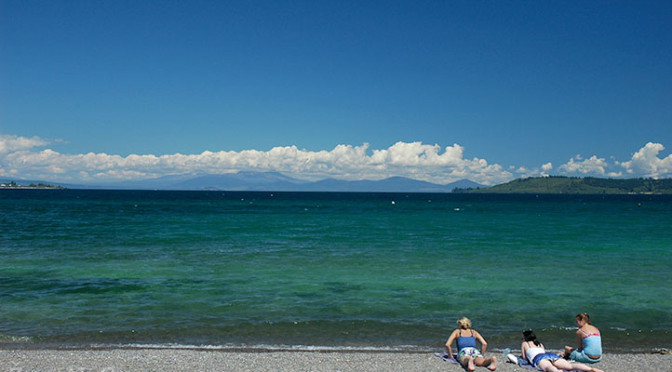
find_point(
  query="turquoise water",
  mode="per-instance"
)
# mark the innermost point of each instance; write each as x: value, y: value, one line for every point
x: 331, y: 269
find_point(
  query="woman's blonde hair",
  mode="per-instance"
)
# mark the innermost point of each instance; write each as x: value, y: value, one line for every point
x: 464, y: 323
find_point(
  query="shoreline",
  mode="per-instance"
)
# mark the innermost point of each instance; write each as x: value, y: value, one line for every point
x: 111, y: 359
x: 263, y: 348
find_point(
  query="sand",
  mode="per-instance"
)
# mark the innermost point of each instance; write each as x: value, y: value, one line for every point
x: 117, y: 360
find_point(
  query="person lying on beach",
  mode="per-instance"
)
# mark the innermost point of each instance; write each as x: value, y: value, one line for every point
x: 467, y: 353
x: 536, y: 354
x: 588, y: 340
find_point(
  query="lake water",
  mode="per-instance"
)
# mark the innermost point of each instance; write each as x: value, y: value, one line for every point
x: 336, y: 270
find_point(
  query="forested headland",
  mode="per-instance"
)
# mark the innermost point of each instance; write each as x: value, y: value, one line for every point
x: 578, y: 185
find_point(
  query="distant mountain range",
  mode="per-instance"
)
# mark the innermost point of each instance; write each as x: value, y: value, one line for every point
x: 266, y: 181
x: 274, y: 181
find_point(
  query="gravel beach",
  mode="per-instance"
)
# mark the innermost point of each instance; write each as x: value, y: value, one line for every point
x: 117, y: 360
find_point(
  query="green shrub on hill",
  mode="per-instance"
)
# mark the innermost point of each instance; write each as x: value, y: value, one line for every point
x: 576, y: 185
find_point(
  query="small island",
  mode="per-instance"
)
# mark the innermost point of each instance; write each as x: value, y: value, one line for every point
x: 14, y: 185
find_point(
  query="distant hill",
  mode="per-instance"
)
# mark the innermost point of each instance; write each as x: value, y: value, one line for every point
x: 392, y: 184
x: 241, y: 181
x: 274, y: 181
x: 574, y: 185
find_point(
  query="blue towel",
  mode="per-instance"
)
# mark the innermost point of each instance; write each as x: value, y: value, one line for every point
x: 521, y: 361
x: 446, y: 357
x: 525, y: 364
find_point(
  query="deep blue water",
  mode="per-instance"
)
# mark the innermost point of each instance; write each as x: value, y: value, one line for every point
x: 331, y: 269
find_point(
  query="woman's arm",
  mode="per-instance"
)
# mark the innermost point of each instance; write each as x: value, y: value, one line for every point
x: 484, y: 345
x: 449, y: 343
x: 579, y: 340
x: 523, y: 347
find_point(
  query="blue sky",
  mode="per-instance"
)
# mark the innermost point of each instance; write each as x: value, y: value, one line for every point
x: 434, y: 90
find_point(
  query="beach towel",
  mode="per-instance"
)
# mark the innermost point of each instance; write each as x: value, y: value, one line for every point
x: 519, y: 360
x: 522, y: 362
x: 525, y: 364
x: 446, y: 357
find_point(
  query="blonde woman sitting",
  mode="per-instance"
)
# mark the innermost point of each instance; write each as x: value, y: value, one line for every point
x: 467, y: 353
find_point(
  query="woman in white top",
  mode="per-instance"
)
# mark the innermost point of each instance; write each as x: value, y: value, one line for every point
x: 536, y: 354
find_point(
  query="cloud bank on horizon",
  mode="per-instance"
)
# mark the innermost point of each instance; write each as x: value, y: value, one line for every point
x: 30, y: 158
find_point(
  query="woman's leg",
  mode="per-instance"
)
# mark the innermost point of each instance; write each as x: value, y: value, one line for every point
x: 563, y: 364
x: 547, y: 366
x: 491, y: 362
x: 568, y: 351
x: 468, y: 362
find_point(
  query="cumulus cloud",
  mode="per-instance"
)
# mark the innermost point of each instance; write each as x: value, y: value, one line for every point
x: 28, y: 158
x: 13, y: 143
x: 592, y: 165
x: 417, y: 160
x: 524, y: 172
x: 646, y: 162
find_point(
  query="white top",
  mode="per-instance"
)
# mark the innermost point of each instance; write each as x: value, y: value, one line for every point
x: 531, y: 352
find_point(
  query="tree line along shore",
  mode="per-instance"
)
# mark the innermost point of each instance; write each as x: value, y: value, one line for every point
x: 531, y: 185
x: 577, y: 185
x: 14, y: 185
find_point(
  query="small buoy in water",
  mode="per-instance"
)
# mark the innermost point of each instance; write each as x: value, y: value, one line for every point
x: 393, y: 202
x: 456, y: 209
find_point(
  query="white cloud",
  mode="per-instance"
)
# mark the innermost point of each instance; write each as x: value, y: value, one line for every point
x: 592, y: 165
x: 646, y: 163
x: 26, y: 158
x: 13, y: 143
x: 524, y: 172
x: 415, y: 159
